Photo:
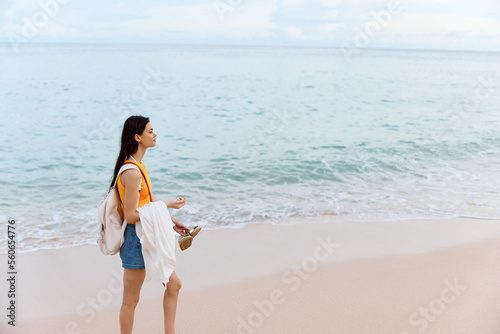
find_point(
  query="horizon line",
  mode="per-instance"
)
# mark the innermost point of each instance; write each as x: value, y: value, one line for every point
x: 37, y: 44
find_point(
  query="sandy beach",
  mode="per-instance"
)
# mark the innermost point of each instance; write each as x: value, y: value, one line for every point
x: 303, y: 275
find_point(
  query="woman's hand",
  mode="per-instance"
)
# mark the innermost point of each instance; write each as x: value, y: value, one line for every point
x: 177, y: 204
x: 179, y: 227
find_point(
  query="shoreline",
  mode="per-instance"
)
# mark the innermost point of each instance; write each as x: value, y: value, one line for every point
x: 299, y: 219
x: 79, y: 286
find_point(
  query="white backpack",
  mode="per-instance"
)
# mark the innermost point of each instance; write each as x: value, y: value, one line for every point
x: 111, y: 220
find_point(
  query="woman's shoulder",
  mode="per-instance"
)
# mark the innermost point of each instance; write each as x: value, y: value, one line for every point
x: 132, y: 176
x: 131, y: 171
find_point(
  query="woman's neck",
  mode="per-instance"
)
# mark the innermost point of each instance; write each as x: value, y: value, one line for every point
x: 138, y: 155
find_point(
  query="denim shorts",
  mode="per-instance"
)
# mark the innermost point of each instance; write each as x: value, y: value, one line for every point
x: 131, y: 250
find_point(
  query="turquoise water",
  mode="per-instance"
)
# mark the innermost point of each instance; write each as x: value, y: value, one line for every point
x: 248, y: 134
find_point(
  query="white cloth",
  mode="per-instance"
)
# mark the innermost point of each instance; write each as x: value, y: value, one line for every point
x: 157, y: 236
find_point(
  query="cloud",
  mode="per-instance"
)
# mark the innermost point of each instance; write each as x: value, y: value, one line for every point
x: 423, y: 23
x: 313, y: 11
x: 444, y: 24
x: 186, y: 21
x: 294, y: 33
x: 29, y: 19
x: 306, y: 20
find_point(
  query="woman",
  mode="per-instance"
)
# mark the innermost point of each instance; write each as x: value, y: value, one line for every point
x: 137, y: 137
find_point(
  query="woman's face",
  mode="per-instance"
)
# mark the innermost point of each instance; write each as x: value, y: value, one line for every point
x: 148, y: 136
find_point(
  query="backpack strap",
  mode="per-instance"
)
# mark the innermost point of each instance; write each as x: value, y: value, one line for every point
x: 127, y: 166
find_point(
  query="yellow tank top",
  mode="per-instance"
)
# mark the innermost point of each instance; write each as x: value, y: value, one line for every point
x: 144, y: 193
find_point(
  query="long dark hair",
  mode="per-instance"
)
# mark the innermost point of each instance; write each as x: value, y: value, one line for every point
x: 133, y: 125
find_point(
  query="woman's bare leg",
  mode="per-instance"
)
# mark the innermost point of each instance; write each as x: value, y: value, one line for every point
x: 132, y: 283
x: 170, y: 303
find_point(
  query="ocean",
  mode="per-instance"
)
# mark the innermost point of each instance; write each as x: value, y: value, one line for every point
x: 247, y: 134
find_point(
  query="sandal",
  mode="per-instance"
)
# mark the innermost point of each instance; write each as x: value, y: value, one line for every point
x: 186, y: 240
x: 194, y: 231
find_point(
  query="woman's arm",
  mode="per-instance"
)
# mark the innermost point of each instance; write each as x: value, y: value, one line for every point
x: 179, y: 227
x: 131, y: 179
x: 177, y: 204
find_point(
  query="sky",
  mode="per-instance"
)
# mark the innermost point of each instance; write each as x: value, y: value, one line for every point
x: 351, y: 24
